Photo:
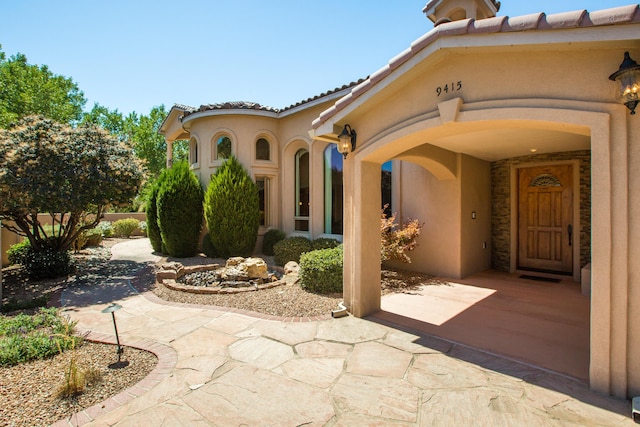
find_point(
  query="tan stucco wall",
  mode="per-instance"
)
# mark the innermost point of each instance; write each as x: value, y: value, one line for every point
x: 475, y: 235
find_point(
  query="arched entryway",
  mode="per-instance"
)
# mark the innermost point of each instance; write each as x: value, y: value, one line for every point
x: 494, y: 131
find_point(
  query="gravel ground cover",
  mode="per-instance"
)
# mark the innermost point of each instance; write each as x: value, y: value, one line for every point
x: 29, y: 390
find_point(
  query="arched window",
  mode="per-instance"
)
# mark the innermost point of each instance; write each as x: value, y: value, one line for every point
x: 223, y: 148
x: 333, y: 198
x: 263, y: 149
x: 302, y: 191
x: 193, y: 151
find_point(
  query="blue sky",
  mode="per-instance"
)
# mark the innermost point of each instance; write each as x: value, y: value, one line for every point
x: 135, y: 54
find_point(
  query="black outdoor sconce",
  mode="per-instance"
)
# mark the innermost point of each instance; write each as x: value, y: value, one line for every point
x: 628, y: 79
x: 347, y: 141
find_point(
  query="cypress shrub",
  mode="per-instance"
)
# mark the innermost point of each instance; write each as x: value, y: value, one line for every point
x: 290, y: 249
x: 269, y: 239
x: 153, y: 230
x: 232, y: 210
x: 179, y: 211
x: 321, y: 270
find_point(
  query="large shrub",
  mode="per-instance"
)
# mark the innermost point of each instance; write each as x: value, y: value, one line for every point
x: 270, y: 238
x: 179, y: 210
x: 290, y: 249
x: 153, y: 230
x: 232, y: 210
x: 321, y: 270
x: 125, y: 227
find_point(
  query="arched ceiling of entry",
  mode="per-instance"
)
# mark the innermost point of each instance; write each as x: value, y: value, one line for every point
x: 502, y: 143
x: 489, y: 140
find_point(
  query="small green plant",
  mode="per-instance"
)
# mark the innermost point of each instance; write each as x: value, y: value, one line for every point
x: 143, y: 227
x: 270, y: 238
x: 325, y: 243
x: 18, y: 253
x: 105, y: 228
x: 321, y: 270
x: 290, y: 249
x: 24, y: 338
x: 125, y: 227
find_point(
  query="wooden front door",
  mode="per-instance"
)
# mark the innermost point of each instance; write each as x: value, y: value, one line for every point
x: 545, y: 219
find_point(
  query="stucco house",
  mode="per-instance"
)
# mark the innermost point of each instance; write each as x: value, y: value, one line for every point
x: 504, y: 135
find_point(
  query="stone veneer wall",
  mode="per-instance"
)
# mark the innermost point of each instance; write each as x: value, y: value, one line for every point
x: 501, y: 204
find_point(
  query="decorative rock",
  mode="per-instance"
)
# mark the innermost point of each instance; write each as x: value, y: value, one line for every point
x: 291, y: 267
x: 232, y: 262
x: 256, y: 268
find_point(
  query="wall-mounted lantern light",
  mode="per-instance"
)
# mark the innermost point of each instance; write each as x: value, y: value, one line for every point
x: 347, y: 141
x: 628, y: 79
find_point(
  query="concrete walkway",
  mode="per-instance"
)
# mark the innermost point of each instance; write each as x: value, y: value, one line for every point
x: 228, y: 369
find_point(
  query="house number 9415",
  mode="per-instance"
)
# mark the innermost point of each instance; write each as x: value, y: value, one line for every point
x: 453, y: 87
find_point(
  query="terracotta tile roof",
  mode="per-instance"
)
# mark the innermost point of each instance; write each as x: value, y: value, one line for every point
x: 499, y: 24
x: 242, y: 105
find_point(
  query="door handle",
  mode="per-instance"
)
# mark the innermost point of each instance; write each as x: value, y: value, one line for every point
x: 570, y: 232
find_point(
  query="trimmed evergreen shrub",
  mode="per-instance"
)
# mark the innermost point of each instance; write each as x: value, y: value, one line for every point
x: 153, y: 230
x: 232, y: 210
x: 18, y: 253
x: 269, y: 239
x: 125, y: 227
x: 207, y: 247
x: 179, y: 211
x: 325, y: 243
x: 290, y: 249
x: 321, y: 270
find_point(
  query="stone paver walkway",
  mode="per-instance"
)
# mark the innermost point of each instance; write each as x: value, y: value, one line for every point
x: 229, y: 369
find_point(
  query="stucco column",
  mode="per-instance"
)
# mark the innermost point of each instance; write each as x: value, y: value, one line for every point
x: 169, y: 154
x: 361, y: 236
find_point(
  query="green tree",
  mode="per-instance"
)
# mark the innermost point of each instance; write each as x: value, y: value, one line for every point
x: 140, y: 131
x: 232, y: 210
x: 179, y: 211
x: 27, y: 89
x: 73, y: 174
x: 111, y: 121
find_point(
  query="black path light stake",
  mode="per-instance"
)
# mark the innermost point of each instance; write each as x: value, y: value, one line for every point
x: 112, y: 308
